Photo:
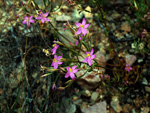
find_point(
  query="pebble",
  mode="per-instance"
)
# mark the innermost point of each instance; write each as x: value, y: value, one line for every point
x: 147, y: 88
x: 115, y: 104
x: 94, y: 96
x: 144, y: 81
x: 86, y: 93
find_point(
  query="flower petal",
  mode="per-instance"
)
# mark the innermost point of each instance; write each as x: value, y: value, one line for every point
x: 93, y: 56
x: 46, y: 19
x: 89, y: 62
x: 52, y: 64
x: 24, y: 22
x: 86, y: 26
x: 42, y: 20
x: 59, y: 57
x: 83, y: 21
x: 92, y: 51
x: 84, y: 31
x: 77, y: 42
x: 46, y: 14
x: 32, y: 21
x: 72, y: 76
x: 60, y: 63
x: 67, y: 75
x: 85, y: 60
x: 38, y: 18
x: 68, y: 68
x: 30, y: 17
x: 74, y: 67
x: 75, y: 70
x: 55, y: 65
x: 28, y: 24
x: 79, y: 31
x: 78, y: 24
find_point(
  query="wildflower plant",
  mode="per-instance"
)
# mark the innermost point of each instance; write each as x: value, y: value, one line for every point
x: 28, y: 20
x: 69, y: 64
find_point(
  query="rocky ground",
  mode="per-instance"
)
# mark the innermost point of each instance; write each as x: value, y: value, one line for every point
x: 89, y: 94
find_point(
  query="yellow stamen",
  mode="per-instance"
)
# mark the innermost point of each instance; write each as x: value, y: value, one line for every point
x: 27, y: 19
x: 53, y: 45
x: 70, y: 69
x: 81, y: 26
x: 43, y: 16
x: 54, y: 60
x: 88, y: 55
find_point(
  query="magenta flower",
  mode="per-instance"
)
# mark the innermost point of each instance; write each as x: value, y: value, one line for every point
x: 71, y: 72
x: 82, y: 27
x: 55, y: 47
x: 56, y: 61
x: 54, y: 87
x: 42, y: 17
x: 77, y: 42
x: 128, y: 67
x: 89, y: 57
x: 28, y: 20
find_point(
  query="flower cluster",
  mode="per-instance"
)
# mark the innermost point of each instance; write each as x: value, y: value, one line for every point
x: 42, y: 17
x: 82, y: 29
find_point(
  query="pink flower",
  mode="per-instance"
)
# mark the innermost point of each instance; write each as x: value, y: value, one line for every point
x: 42, y: 17
x: 28, y: 20
x: 55, y: 47
x: 56, y: 61
x: 54, y: 87
x: 82, y: 27
x: 71, y: 72
x: 89, y: 57
x: 128, y: 68
x: 77, y: 42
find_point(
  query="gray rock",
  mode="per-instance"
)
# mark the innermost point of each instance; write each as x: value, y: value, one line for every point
x: 76, y: 16
x: 68, y: 36
x: 94, y: 96
x: 97, y: 108
x: 86, y: 93
x: 115, y: 104
x: 144, y: 81
x: 147, y: 88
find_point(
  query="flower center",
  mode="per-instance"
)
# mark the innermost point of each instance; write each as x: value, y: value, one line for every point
x: 54, y: 60
x: 128, y: 67
x: 81, y: 26
x: 27, y: 19
x: 43, y: 16
x: 70, y: 69
x: 53, y: 45
x: 88, y: 55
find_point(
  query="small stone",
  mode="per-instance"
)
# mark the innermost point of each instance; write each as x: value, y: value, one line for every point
x: 86, y: 93
x: 145, y: 110
x: 96, y: 108
x: 102, y: 51
x: 94, y: 96
x: 115, y: 15
x: 126, y: 27
x: 144, y: 81
x: 115, y: 104
x: 88, y: 15
x: 130, y: 59
x: 147, y: 88
x: 75, y: 98
x: 34, y: 75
